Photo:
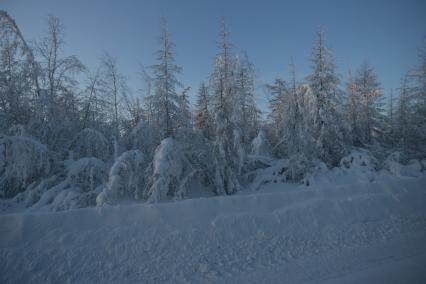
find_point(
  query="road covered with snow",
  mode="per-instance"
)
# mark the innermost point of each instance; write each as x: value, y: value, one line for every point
x: 360, y: 233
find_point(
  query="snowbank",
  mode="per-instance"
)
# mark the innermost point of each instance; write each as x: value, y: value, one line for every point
x: 312, y: 235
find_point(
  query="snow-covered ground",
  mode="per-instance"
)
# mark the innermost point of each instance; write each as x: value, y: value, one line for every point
x: 358, y: 232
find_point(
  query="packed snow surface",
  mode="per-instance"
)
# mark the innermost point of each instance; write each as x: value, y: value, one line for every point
x: 358, y: 232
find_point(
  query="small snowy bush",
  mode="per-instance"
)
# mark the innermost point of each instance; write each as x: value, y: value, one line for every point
x: 23, y: 160
x: 359, y: 166
x: 90, y: 143
x: 396, y: 166
x: 125, y: 178
x: 361, y: 160
x: 298, y: 167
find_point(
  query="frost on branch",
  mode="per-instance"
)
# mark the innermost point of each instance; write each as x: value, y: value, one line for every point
x: 23, y: 160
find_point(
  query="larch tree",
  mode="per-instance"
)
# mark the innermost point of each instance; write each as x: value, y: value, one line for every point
x: 245, y: 88
x: 277, y: 105
x: 294, y: 126
x: 58, y: 103
x: 229, y: 153
x: 203, y: 117
x: 371, y: 117
x: 165, y: 100
x: 114, y: 88
x: 352, y: 110
x: 184, y: 116
x: 326, y: 128
x: 94, y: 106
x: 16, y: 84
x: 403, y: 115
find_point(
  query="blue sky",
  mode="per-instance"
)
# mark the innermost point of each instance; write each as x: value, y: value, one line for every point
x: 388, y: 34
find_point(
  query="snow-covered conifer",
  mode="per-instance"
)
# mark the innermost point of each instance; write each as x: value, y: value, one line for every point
x: 326, y: 123
x: 165, y: 100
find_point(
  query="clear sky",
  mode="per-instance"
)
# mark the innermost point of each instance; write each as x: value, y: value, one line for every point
x: 388, y: 34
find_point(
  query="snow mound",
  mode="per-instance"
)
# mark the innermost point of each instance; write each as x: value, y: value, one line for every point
x: 360, y: 160
x: 314, y: 235
x: 358, y: 166
x: 394, y: 165
x: 263, y: 170
x: 23, y: 161
x: 126, y: 177
x: 90, y: 143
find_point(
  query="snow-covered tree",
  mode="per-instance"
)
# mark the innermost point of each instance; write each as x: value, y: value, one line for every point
x: 260, y: 145
x: 94, y: 105
x: 371, y: 107
x: 170, y: 173
x: 58, y: 114
x: 404, y: 116
x: 143, y: 137
x: 165, y: 100
x: 203, y: 118
x: 126, y: 178
x: 277, y: 106
x: 23, y: 160
x: 228, y: 149
x: 90, y: 143
x: 352, y: 109
x: 16, y: 82
x: 245, y: 85
x: 294, y: 131
x: 184, y: 115
x: 391, y: 121
x: 326, y: 123
x: 114, y: 88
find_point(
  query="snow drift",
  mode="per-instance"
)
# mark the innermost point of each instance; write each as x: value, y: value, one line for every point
x: 317, y: 234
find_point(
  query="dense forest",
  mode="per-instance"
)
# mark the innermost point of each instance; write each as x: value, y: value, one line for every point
x: 73, y: 137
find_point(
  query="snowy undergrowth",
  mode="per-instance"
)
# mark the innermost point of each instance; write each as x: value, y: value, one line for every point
x: 90, y: 143
x: 170, y: 173
x: 359, y: 166
x: 23, y: 161
x: 76, y: 186
x: 126, y: 178
x: 177, y: 173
